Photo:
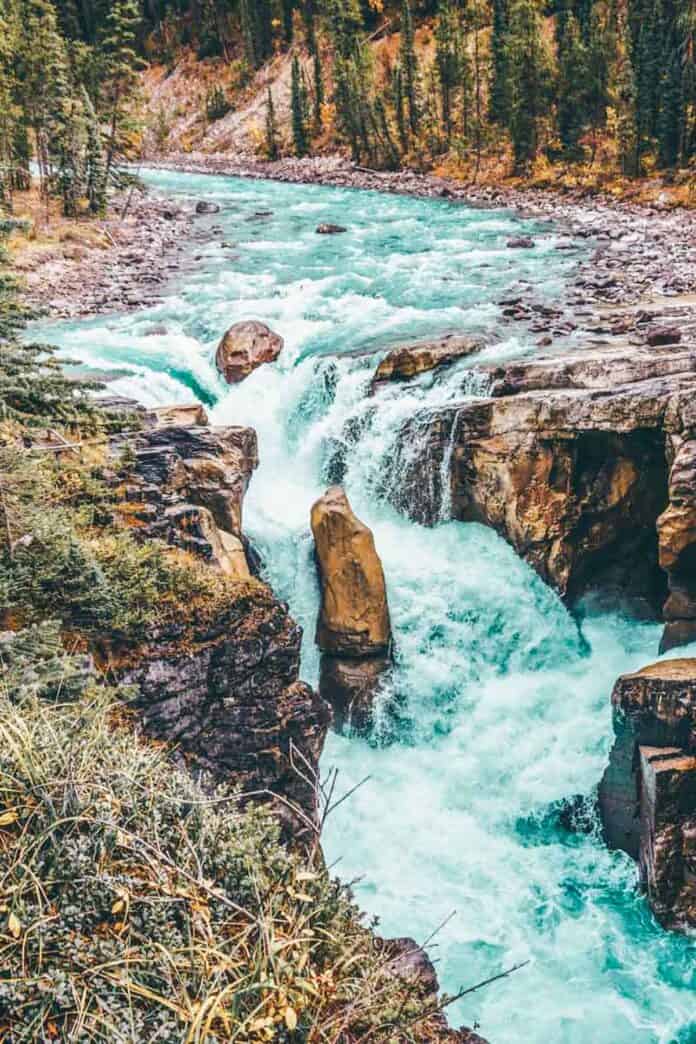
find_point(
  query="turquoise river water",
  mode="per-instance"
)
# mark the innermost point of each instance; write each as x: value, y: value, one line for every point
x: 505, y: 703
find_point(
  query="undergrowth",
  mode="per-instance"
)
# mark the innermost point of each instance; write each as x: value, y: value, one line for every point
x: 139, y: 906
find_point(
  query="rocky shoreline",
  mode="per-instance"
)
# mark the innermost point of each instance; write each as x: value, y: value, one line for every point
x: 116, y: 264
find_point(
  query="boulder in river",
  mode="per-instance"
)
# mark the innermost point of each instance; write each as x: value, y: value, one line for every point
x: 520, y: 243
x: 354, y: 617
x: 205, y: 206
x: 661, y: 335
x: 349, y: 684
x: 246, y: 346
x: 327, y: 229
x: 408, y: 360
x: 647, y: 796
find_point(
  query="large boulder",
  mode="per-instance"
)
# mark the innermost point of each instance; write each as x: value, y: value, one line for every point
x: 354, y: 617
x: 647, y: 796
x: 246, y: 346
x: 408, y: 360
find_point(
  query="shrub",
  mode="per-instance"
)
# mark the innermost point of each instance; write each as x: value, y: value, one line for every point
x: 141, y: 906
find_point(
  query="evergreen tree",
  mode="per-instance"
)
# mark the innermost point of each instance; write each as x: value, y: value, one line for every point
x: 96, y: 175
x: 529, y: 76
x: 288, y: 27
x: 448, y: 58
x: 499, y: 91
x: 647, y: 55
x: 299, y: 109
x: 271, y: 129
x: 627, y: 129
x: 409, y: 65
x: 120, y: 64
x: 600, y: 57
x: 400, y: 107
x: 318, y: 92
x: 573, y: 77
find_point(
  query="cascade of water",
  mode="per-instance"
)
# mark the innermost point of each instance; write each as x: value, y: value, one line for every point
x: 504, y: 706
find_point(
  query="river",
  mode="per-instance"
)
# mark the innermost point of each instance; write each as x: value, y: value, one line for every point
x: 499, y: 705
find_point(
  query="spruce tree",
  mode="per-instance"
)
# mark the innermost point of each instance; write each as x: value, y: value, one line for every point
x: 288, y: 26
x: 318, y: 92
x: 120, y: 65
x: 573, y: 76
x: 409, y: 66
x: 271, y: 129
x: 400, y: 107
x: 448, y: 59
x: 499, y: 90
x: 529, y: 72
x: 298, y: 107
x: 96, y: 176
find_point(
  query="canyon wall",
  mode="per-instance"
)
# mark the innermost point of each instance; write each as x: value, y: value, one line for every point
x: 226, y: 689
x: 585, y: 463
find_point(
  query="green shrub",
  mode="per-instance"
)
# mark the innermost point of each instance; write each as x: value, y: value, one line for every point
x: 216, y: 104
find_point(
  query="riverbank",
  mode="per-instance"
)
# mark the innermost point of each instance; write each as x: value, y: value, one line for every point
x: 72, y: 268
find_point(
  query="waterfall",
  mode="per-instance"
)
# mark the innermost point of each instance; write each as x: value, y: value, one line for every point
x: 504, y: 707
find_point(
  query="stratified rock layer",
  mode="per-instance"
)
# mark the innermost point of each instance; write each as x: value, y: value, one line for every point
x: 246, y: 346
x: 648, y: 792
x: 584, y: 462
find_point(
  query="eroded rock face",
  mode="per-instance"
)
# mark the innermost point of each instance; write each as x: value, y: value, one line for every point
x: 676, y: 527
x: 229, y: 696
x: 410, y: 962
x: 350, y: 684
x: 246, y: 346
x: 354, y: 617
x: 647, y: 796
x: 226, y: 692
x: 407, y: 361
x: 184, y: 483
x: 573, y: 459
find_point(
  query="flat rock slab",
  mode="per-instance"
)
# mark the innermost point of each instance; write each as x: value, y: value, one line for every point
x: 408, y: 360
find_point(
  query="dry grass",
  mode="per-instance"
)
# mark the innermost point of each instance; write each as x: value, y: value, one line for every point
x: 136, y: 905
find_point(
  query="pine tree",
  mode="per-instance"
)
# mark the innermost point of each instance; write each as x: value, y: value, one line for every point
x: 529, y: 73
x: 601, y: 56
x: 572, y: 84
x: 96, y: 176
x: 288, y: 26
x: 409, y: 65
x: 318, y: 92
x: 271, y: 129
x: 400, y: 107
x: 499, y: 91
x: 646, y: 48
x: 627, y: 130
x: 448, y: 59
x: 299, y: 109
x: 247, y: 29
x: 120, y: 64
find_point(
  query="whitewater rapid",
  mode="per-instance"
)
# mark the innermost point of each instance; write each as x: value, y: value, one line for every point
x: 500, y: 704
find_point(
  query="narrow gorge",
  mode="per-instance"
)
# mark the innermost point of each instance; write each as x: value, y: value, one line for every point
x: 463, y: 463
